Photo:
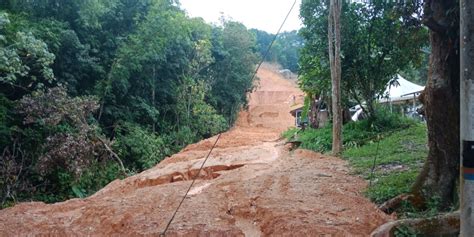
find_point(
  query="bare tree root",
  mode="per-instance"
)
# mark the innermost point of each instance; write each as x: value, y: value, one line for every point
x: 393, y: 204
x: 443, y: 225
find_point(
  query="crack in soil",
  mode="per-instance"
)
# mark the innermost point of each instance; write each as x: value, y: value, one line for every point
x: 207, y: 173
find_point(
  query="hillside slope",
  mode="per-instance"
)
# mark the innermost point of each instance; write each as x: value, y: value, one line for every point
x: 251, y: 186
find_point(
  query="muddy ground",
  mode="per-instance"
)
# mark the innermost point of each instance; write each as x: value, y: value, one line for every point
x: 252, y: 185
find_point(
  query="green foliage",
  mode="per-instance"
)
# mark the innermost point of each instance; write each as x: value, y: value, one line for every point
x: 24, y: 60
x: 231, y: 73
x: 355, y: 134
x: 400, y: 156
x: 285, y: 49
x: 195, y: 113
x: 94, y: 178
x: 379, y: 38
x: 399, y: 146
x: 290, y: 134
x: 390, y: 186
x: 139, y: 148
x: 405, y: 231
x: 418, y: 73
x: 62, y: 185
x: 56, y: 144
x: 316, y: 139
x: 140, y: 77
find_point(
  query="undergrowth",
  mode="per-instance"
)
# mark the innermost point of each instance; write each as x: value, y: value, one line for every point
x: 355, y: 134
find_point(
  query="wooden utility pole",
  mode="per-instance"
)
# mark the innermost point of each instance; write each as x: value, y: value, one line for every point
x: 334, y: 37
x: 467, y: 118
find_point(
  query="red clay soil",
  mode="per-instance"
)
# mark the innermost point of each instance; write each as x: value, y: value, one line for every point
x: 251, y: 186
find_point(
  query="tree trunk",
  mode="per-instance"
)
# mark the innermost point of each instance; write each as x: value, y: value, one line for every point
x: 313, y: 113
x: 441, y: 100
x: 346, y: 115
x: 153, y: 89
x: 334, y: 35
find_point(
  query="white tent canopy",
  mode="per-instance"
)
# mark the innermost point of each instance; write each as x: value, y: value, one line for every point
x: 401, y: 90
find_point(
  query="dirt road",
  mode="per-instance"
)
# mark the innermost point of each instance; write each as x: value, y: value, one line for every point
x: 251, y: 186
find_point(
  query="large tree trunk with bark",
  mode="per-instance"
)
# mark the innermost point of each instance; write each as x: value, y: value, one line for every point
x: 441, y: 100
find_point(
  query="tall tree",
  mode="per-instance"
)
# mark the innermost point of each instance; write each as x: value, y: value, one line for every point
x: 440, y: 173
x: 334, y: 37
x: 384, y: 37
x: 233, y: 46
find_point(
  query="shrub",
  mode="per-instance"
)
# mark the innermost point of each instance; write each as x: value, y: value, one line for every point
x: 139, y: 148
x: 355, y: 134
x: 51, y: 144
x: 94, y: 178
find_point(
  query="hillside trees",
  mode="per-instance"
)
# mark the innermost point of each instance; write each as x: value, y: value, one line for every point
x: 231, y: 73
x: 25, y: 60
x: 139, y: 80
x: 285, y: 49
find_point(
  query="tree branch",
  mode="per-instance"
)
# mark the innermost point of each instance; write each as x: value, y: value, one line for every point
x: 433, y: 25
x: 107, y: 147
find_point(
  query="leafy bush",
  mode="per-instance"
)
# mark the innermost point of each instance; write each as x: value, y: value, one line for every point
x: 94, y: 178
x: 53, y: 144
x: 207, y: 121
x: 290, y: 133
x: 139, y: 148
x: 316, y: 139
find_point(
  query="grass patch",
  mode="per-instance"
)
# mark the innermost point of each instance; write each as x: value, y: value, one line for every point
x: 400, y: 145
x: 400, y: 156
x: 355, y: 134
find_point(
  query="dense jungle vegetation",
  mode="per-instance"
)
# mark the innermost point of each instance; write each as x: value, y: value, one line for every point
x: 92, y: 91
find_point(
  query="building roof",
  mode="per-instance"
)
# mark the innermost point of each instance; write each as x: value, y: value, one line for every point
x: 294, y: 108
x: 400, y: 89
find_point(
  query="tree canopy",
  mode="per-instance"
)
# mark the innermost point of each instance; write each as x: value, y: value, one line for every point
x: 379, y: 39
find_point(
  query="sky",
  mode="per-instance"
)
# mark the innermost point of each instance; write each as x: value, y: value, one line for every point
x: 264, y: 15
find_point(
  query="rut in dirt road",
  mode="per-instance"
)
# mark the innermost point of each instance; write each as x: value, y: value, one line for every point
x: 251, y: 186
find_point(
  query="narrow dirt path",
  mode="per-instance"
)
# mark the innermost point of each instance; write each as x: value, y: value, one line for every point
x: 251, y: 186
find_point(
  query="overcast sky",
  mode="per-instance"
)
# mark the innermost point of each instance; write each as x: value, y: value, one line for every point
x: 261, y: 14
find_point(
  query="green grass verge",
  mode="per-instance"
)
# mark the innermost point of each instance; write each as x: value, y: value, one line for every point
x: 399, y: 146
x: 399, y: 157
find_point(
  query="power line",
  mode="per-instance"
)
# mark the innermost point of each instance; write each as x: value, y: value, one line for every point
x: 190, y: 186
x: 273, y: 40
x: 218, y: 137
